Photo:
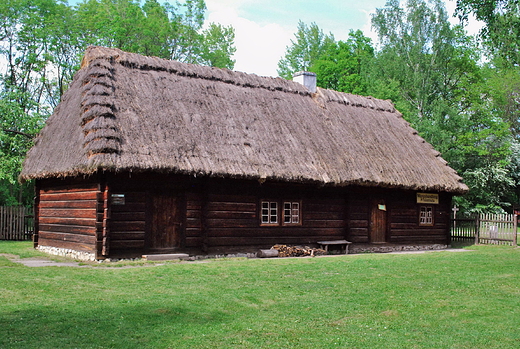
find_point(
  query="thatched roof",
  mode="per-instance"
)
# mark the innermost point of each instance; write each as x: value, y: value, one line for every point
x: 127, y: 112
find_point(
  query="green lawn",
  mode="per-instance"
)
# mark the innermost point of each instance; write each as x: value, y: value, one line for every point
x: 429, y: 300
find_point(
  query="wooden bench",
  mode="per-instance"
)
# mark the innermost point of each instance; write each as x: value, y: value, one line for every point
x: 342, y: 243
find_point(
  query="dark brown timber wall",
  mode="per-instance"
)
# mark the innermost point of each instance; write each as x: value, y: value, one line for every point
x: 221, y: 214
x: 402, y: 217
x: 67, y: 214
x: 113, y: 215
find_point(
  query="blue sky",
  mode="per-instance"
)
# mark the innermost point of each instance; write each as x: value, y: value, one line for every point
x: 264, y: 28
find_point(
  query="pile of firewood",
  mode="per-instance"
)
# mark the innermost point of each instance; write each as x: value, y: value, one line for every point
x: 297, y: 251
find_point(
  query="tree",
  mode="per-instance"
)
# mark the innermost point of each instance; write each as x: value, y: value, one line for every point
x: 430, y: 70
x: 41, y: 43
x: 501, y: 32
x: 341, y: 66
x: 217, y: 46
x: 310, y: 43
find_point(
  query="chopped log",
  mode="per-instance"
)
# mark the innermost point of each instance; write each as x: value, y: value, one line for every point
x: 267, y: 253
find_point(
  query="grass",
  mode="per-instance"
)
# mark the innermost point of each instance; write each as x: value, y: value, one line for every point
x: 430, y: 300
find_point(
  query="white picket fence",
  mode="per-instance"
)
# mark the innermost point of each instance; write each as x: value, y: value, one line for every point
x: 499, y: 229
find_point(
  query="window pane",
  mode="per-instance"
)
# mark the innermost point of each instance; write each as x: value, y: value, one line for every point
x: 274, y: 212
x: 426, y: 215
x: 287, y: 212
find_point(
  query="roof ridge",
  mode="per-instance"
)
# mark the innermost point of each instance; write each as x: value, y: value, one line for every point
x: 137, y: 61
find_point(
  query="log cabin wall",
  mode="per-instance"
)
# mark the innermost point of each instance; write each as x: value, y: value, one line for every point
x: 403, y: 217
x: 67, y: 214
x: 127, y: 221
x: 233, y: 214
x: 112, y: 214
x: 404, y: 220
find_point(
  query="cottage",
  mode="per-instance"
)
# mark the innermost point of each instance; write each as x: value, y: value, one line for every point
x: 145, y: 155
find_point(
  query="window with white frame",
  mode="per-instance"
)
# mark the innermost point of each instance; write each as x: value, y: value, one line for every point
x: 426, y: 215
x: 291, y: 212
x: 269, y: 212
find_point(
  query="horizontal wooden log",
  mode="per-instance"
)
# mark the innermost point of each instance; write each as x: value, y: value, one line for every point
x: 193, y: 214
x: 267, y: 253
x: 126, y: 244
x: 323, y: 223
x: 312, y: 207
x: 67, y: 245
x: 404, y: 226
x: 425, y: 231
x: 313, y: 215
x: 274, y: 232
x: 358, y: 223
x: 232, y: 206
x: 358, y: 216
x: 193, y: 241
x: 90, y: 222
x: 407, y: 212
x: 232, y: 223
x: 129, y: 207
x: 231, y: 198
x: 73, y: 196
x: 68, y: 204
x: 193, y: 222
x: 231, y: 215
x: 68, y: 213
x: 72, y: 229
x: 76, y: 238
x: 127, y: 235
x: 358, y: 231
x: 193, y: 232
x: 127, y: 225
x: 69, y: 188
x: 267, y: 241
x: 128, y: 216
x: 420, y: 240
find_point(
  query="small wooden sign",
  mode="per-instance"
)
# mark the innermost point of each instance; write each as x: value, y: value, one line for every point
x: 427, y: 198
x: 382, y: 207
x: 118, y: 199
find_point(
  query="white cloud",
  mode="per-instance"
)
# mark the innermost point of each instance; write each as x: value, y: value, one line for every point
x: 259, y: 47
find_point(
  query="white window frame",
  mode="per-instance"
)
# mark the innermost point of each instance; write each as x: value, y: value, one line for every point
x: 291, y: 213
x: 426, y: 214
x: 269, y: 213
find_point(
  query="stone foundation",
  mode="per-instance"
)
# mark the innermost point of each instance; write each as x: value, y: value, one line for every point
x: 64, y: 252
x: 394, y: 248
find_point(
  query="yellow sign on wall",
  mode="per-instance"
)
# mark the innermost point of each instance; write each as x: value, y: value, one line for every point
x: 426, y: 198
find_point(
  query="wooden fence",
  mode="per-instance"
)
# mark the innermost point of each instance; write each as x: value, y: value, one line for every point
x: 486, y: 229
x: 16, y: 223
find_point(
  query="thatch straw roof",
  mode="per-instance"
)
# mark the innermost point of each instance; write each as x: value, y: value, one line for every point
x: 127, y: 112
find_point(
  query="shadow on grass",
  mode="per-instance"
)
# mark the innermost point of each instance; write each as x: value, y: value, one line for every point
x: 123, y: 326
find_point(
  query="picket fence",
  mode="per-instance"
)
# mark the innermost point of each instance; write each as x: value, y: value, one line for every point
x: 16, y: 223
x: 499, y: 229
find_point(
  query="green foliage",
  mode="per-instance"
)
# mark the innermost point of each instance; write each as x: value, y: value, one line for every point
x: 501, y: 32
x: 42, y: 44
x: 309, y: 44
x: 17, y: 129
x: 217, y: 48
x: 166, y: 31
x: 429, y: 68
x: 341, y: 65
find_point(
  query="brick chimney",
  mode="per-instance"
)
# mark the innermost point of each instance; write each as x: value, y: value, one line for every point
x: 307, y: 79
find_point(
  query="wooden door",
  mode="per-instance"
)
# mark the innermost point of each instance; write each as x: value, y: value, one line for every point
x: 378, y: 221
x: 165, y: 230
